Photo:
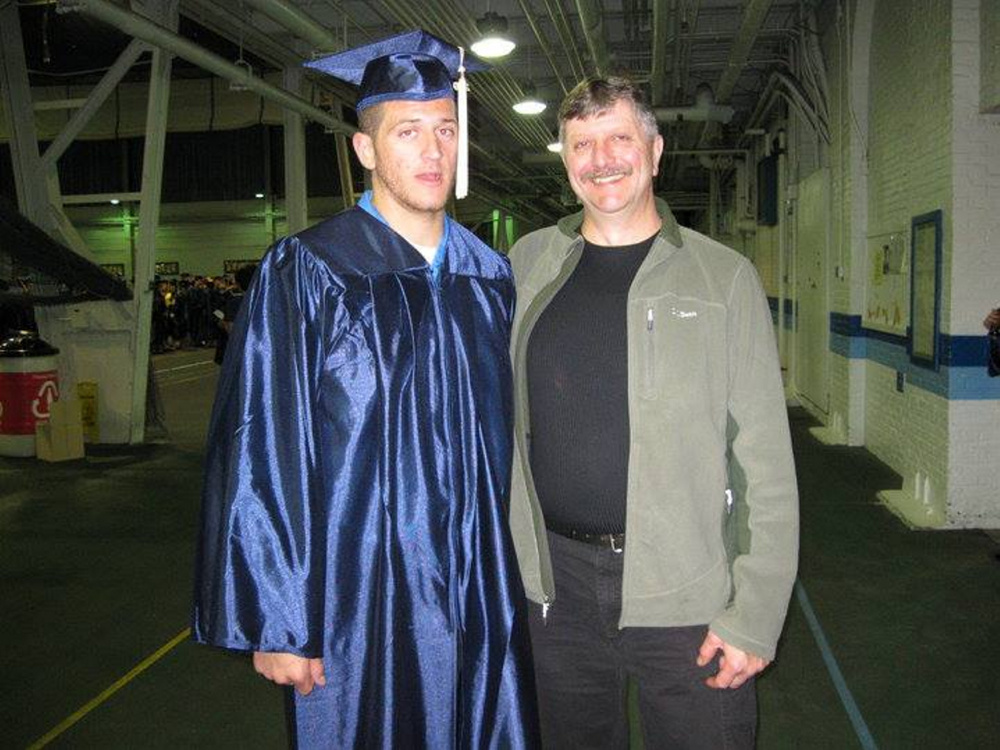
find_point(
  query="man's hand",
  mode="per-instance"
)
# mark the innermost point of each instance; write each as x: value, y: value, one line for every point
x: 735, y: 666
x: 289, y: 669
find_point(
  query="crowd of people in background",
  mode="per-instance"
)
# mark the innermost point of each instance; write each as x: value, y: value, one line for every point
x: 189, y: 311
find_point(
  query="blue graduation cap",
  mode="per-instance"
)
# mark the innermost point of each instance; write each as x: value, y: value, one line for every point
x: 414, y: 66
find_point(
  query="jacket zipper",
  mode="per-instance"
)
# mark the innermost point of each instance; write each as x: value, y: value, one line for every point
x: 649, y: 374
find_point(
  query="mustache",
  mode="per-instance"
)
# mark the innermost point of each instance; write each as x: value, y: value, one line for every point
x: 613, y: 171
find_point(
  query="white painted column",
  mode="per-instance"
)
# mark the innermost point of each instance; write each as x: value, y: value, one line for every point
x: 164, y: 13
x: 296, y: 198
x: 29, y: 179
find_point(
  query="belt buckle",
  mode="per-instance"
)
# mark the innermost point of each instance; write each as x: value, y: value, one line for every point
x: 611, y: 543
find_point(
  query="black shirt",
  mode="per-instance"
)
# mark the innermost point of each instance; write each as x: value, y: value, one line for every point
x: 578, y: 393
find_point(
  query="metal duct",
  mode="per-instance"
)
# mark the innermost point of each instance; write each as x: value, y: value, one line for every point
x: 299, y: 23
x: 593, y: 32
x: 139, y: 27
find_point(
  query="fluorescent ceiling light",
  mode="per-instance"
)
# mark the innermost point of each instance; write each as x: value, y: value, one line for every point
x: 529, y: 104
x: 493, y: 46
x: 529, y: 107
x: 493, y: 40
x: 258, y: 195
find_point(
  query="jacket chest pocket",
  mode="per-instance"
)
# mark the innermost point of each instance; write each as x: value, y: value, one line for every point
x: 674, y: 345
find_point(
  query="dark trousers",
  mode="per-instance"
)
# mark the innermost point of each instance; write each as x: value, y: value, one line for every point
x: 583, y: 660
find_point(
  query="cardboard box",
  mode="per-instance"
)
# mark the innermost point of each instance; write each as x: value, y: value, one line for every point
x: 61, y: 438
x: 54, y: 443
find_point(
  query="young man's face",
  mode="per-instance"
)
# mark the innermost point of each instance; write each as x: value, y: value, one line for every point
x: 610, y: 160
x: 412, y: 153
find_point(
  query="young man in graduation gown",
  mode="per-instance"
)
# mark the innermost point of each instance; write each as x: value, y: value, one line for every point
x: 354, y: 532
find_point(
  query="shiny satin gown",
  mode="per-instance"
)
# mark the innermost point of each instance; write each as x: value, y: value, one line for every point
x: 357, y: 477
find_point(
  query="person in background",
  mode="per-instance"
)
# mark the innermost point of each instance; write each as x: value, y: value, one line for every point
x: 354, y: 528
x: 226, y: 317
x: 992, y: 324
x: 992, y: 321
x: 647, y: 381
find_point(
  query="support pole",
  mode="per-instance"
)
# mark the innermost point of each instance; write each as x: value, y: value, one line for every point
x: 149, y: 217
x: 296, y: 198
x: 29, y: 178
x: 344, y: 168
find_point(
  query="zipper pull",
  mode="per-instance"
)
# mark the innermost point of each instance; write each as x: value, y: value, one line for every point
x: 649, y: 319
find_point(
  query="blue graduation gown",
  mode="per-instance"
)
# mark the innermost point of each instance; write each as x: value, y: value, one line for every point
x: 357, y: 477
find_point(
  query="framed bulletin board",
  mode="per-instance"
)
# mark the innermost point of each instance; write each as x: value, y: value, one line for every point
x: 168, y: 268
x: 925, y: 289
x: 118, y: 269
x: 232, y: 266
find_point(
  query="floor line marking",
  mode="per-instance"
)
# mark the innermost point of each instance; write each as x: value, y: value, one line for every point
x: 185, y: 367
x: 86, y: 708
x: 850, y: 705
x: 167, y: 383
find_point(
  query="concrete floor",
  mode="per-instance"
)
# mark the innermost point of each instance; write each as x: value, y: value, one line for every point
x: 95, y: 576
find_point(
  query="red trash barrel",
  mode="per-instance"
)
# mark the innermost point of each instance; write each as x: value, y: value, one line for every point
x: 29, y: 383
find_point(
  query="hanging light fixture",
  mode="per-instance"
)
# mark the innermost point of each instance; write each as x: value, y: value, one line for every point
x: 555, y: 147
x: 493, y: 39
x: 529, y: 103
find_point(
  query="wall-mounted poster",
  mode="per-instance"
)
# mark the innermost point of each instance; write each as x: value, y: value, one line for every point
x: 232, y: 266
x: 118, y: 269
x: 886, y: 286
x: 168, y: 268
x: 925, y: 288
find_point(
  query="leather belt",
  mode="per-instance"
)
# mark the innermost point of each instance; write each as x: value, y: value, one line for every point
x: 614, y: 542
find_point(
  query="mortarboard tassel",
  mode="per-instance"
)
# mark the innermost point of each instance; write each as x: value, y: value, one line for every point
x: 462, y: 172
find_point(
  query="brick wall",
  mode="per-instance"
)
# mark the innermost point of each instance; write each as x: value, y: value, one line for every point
x: 909, y: 173
x: 974, y: 425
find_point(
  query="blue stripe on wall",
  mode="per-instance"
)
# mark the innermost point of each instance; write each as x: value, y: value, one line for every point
x: 961, y: 376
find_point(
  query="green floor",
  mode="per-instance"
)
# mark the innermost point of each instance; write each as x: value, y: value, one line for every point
x: 95, y: 576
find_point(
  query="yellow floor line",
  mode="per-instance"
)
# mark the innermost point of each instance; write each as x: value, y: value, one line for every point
x: 118, y: 685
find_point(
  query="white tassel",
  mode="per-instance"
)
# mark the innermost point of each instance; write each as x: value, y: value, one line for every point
x: 462, y: 171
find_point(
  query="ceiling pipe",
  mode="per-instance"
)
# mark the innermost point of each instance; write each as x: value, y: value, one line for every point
x: 682, y: 52
x: 543, y: 43
x: 665, y: 23
x: 141, y: 28
x: 593, y: 32
x: 753, y: 18
x: 711, y: 113
x: 558, y: 16
x: 299, y: 23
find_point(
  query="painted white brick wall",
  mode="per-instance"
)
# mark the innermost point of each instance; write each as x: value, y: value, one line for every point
x: 974, y: 426
x: 989, y: 20
x: 910, y: 173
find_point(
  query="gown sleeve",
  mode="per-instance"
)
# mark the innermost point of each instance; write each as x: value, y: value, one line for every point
x: 261, y: 561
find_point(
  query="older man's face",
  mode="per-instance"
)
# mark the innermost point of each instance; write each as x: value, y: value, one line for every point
x: 610, y: 160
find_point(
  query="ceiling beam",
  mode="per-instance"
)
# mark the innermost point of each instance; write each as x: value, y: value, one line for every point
x: 299, y: 23
x: 593, y: 31
x: 141, y: 28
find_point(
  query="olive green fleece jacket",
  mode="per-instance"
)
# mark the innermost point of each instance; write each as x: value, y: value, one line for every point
x: 706, y: 415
